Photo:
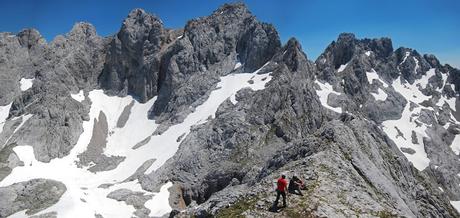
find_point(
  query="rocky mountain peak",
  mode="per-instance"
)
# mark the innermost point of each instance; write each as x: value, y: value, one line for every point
x: 342, y: 50
x: 140, y: 16
x: 82, y: 30
x: 293, y: 55
x: 293, y: 45
x: 227, y: 16
x: 347, y: 45
x: 140, y: 26
x: 432, y: 60
x: 234, y: 8
x: 411, y: 64
x: 30, y: 38
x: 346, y: 38
x: 381, y: 47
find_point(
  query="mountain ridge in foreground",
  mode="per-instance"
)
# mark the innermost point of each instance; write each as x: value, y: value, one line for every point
x: 199, y: 121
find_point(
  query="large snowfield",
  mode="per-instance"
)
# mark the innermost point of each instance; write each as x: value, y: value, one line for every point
x: 400, y: 131
x: 83, y: 197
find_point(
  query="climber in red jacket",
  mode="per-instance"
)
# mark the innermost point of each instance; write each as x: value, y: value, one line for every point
x: 281, y: 189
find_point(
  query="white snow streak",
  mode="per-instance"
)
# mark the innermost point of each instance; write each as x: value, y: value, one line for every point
x: 4, y: 111
x: 323, y: 93
x: 26, y: 84
x: 416, y: 65
x: 24, y: 120
x: 342, y: 67
x: 456, y: 145
x: 405, y: 57
x: 237, y: 65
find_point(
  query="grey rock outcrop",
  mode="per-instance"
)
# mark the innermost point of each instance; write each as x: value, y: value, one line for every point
x: 133, y: 57
x: 32, y: 196
x: 210, y: 47
x: 65, y: 65
x: 93, y: 157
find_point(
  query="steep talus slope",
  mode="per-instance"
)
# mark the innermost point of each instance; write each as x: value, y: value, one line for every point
x: 199, y: 122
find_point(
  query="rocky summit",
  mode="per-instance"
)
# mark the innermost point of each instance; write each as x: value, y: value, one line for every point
x: 202, y: 121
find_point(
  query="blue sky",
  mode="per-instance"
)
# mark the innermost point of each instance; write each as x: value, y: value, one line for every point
x: 430, y: 26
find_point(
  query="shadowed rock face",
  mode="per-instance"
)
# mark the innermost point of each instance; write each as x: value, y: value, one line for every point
x: 350, y: 164
x: 132, y: 63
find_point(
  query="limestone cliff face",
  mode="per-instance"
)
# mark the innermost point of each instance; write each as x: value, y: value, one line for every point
x: 371, y: 129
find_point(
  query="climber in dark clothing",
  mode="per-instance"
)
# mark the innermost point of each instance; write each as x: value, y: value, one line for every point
x: 281, y: 190
x: 295, y: 185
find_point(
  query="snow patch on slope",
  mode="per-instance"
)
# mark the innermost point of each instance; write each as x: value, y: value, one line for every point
x: 160, y: 202
x: 455, y: 146
x: 416, y: 65
x: 424, y: 80
x: 26, y: 84
x: 380, y: 96
x: 368, y: 53
x: 342, y: 67
x: 371, y: 76
x: 405, y: 57
x: 323, y: 93
x: 237, y: 65
x: 456, y: 205
x: 79, y: 96
x: 4, y: 112
x: 400, y: 131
